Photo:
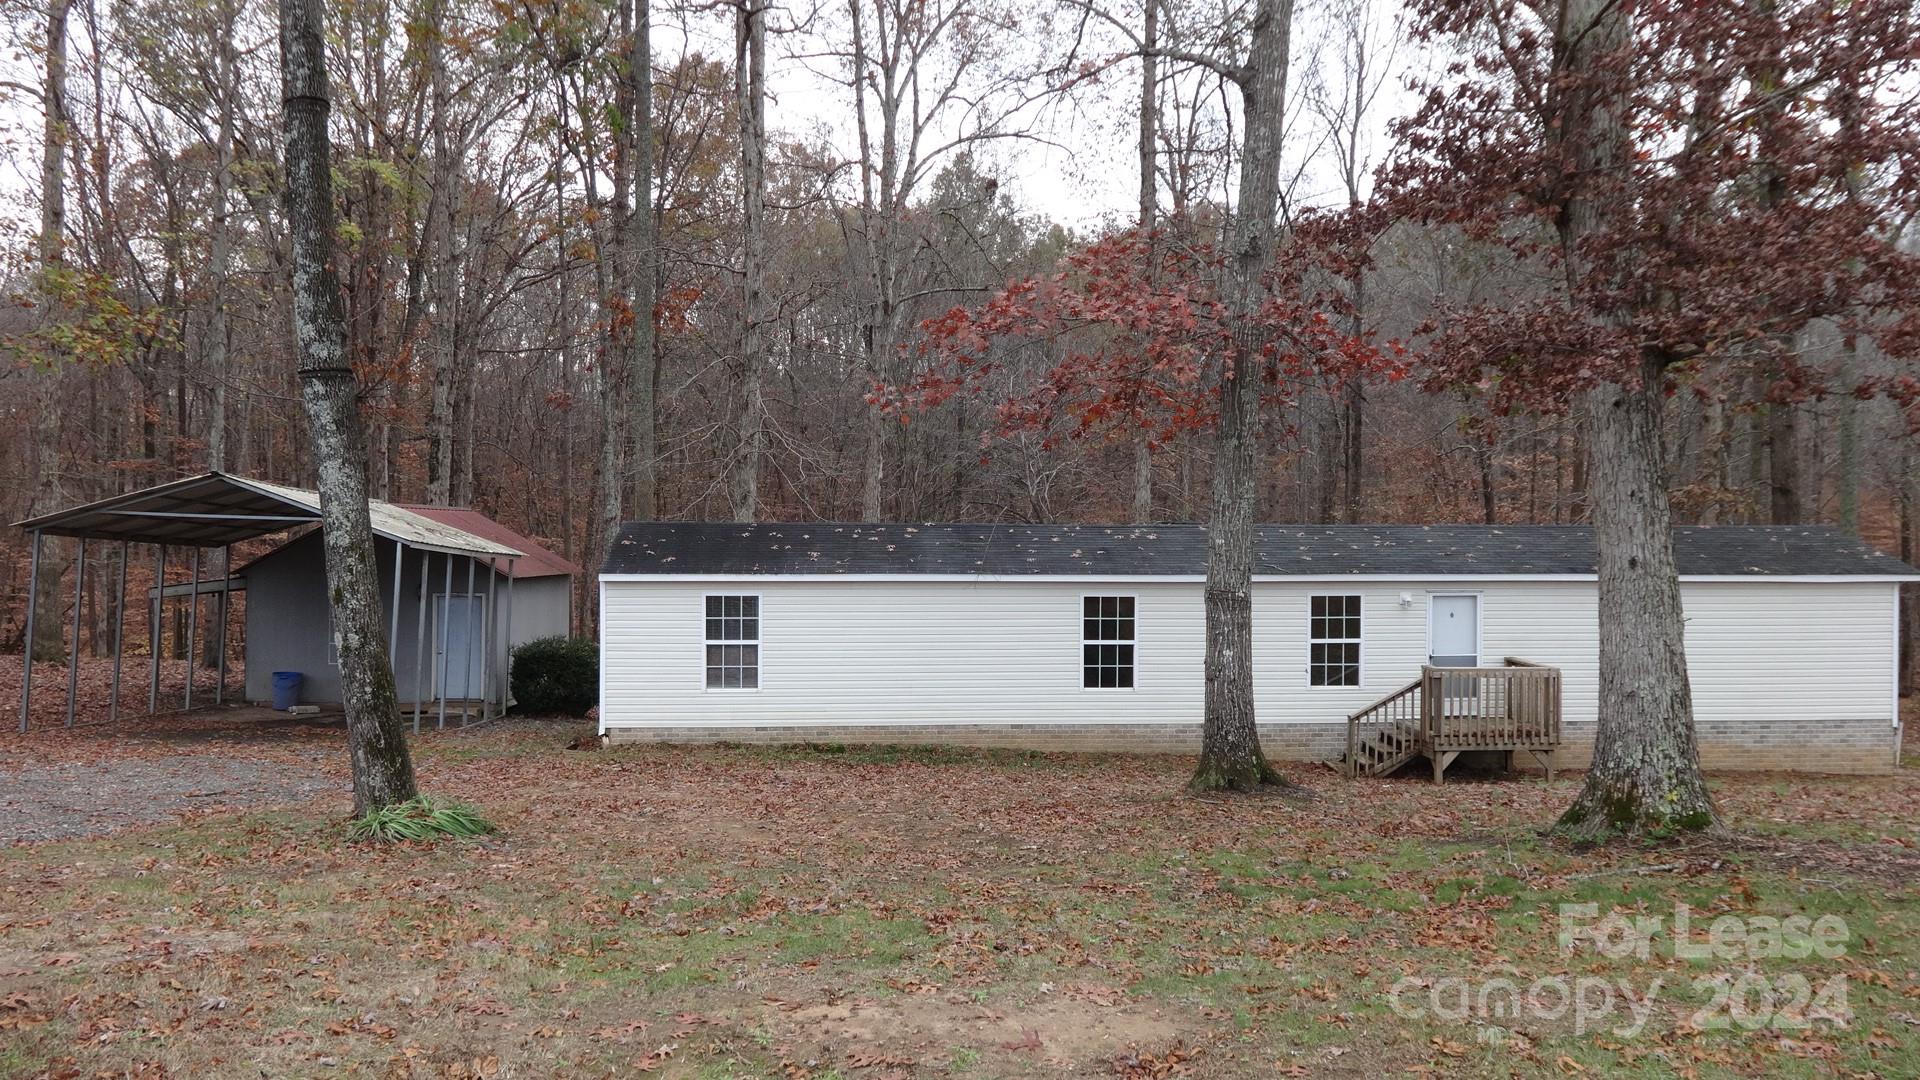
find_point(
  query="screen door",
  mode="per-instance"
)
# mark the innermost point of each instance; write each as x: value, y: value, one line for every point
x: 465, y: 619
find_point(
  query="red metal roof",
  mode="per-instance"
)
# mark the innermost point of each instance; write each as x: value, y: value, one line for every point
x: 539, y: 561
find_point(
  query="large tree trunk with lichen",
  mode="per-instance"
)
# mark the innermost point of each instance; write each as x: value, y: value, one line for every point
x: 1645, y: 777
x: 1230, y: 755
x: 376, y: 742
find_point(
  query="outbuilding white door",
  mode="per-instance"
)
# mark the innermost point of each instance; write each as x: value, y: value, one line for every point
x: 459, y: 676
x: 1453, y: 631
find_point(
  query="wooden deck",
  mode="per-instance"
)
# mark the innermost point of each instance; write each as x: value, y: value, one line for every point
x: 1449, y: 711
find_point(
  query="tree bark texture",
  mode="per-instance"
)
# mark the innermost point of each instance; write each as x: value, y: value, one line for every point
x: 444, y: 285
x: 49, y: 494
x: 217, y: 332
x: 1645, y: 777
x: 1909, y: 497
x: 1149, y: 133
x: 376, y: 741
x: 1783, y: 462
x: 1230, y: 754
x: 750, y: 40
x: 642, y: 270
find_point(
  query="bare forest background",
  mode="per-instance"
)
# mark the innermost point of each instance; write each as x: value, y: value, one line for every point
x: 496, y: 212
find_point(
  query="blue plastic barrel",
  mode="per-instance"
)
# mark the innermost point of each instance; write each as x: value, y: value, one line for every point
x: 286, y: 689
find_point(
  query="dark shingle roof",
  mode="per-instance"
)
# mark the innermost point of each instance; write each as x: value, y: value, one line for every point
x: 701, y: 548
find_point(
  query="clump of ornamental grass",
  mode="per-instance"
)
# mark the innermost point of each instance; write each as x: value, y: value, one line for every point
x: 421, y: 818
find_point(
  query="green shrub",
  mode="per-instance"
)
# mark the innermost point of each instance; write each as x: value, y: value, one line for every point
x: 420, y: 818
x: 556, y: 675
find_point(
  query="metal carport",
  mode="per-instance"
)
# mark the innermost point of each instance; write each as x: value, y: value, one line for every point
x: 217, y: 510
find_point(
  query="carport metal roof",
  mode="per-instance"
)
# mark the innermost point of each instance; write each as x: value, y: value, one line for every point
x: 215, y: 509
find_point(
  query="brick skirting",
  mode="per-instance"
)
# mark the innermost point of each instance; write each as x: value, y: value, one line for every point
x: 1828, y: 746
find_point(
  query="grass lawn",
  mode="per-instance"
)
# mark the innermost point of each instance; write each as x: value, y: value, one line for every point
x: 893, y: 914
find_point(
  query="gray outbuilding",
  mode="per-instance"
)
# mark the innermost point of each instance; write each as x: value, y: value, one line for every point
x: 458, y: 590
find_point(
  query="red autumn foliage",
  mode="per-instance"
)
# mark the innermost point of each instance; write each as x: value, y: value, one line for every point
x: 1134, y: 336
x: 1775, y: 162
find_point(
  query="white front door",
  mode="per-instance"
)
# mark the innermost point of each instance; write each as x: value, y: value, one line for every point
x: 1453, y: 630
x: 457, y: 673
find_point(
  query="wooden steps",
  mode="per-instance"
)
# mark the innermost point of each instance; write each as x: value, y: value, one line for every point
x: 1450, y: 711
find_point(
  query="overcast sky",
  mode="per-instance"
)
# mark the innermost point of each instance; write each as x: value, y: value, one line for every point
x: 1078, y: 166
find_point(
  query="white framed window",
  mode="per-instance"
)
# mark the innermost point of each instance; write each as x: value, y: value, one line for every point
x: 1106, y: 642
x: 733, y: 642
x: 1333, y: 641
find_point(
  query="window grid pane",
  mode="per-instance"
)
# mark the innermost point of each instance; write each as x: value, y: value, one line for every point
x: 1106, y: 651
x: 1333, y: 650
x: 732, y: 642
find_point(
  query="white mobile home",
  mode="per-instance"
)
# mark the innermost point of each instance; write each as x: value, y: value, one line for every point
x: 1092, y: 637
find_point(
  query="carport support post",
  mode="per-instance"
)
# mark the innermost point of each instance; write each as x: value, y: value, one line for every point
x: 420, y: 642
x: 506, y: 695
x: 486, y: 637
x: 157, y: 609
x: 193, y: 628
x: 26, y: 654
x: 393, y: 632
x: 73, y: 653
x: 119, y: 630
x: 466, y: 665
x: 446, y: 616
x: 226, y: 590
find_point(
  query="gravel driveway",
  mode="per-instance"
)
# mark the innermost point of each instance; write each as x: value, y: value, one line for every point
x: 153, y: 776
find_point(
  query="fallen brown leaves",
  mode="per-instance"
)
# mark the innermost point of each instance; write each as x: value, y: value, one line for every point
x: 655, y: 911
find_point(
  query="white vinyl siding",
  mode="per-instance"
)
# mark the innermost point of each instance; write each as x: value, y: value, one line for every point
x: 951, y: 652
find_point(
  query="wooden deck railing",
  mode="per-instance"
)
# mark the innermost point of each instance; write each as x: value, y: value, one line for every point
x: 1514, y: 707
x: 1448, y: 711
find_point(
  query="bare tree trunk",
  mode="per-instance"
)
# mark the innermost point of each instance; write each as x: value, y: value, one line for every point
x: 1230, y: 755
x: 1645, y: 777
x: 1847, y: 483
x: 53, y: 144
x: 1354, y: 490
x: 612, y: 274
x: 873, y: 464
x: 216, y: 345
x: 382, y: 767
x: 1149, y: 124
x: 48, y: 494
x: 1712, y: 478
x: 642, y: 270
x: 1783, y: 462
x: 441, y: 271
x: 1483, y: 462
x: 1909, y: 498
x: 750, y: 34
x: 465, y: 375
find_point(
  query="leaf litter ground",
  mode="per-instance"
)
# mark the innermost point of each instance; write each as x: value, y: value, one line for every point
x: 866, y: 913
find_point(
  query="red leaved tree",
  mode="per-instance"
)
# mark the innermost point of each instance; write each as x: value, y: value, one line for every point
x: 1140, y: 333
x: 1696, y: 183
